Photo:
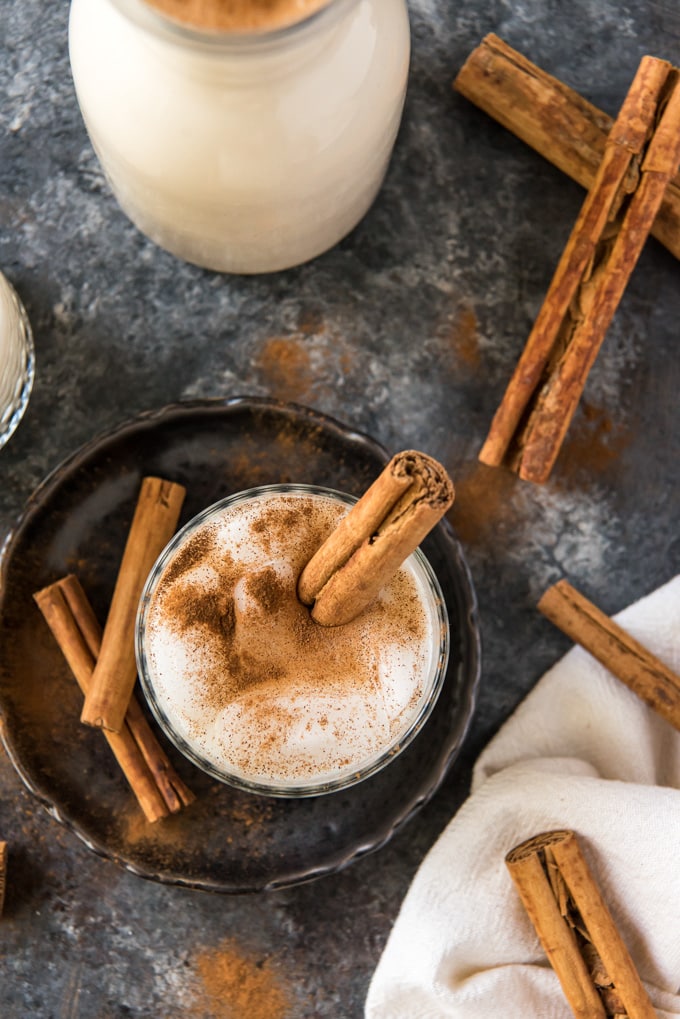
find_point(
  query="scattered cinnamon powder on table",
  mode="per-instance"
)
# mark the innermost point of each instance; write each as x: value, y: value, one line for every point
x: 595, y: 441
x: 305, y: 365
x: 462, y: 336
x: 483, y: 500
x: 234, y: 984
x: 286, y: 364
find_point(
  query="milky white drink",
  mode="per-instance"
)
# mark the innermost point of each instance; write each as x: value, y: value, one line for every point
x: 16, y: 359
x: 245, y: 136
x: 245, y: 680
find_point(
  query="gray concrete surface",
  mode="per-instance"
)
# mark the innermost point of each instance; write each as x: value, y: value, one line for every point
x: 409, y: 330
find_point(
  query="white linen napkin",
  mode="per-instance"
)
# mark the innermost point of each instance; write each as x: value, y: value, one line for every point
x: 581, y: 752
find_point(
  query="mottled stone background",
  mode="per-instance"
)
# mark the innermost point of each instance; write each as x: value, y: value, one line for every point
x: 408, y: 330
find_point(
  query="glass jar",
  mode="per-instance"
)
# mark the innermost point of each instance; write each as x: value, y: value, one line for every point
x: 242, y: 153
x: 247, y: 686
x: 16, y: 360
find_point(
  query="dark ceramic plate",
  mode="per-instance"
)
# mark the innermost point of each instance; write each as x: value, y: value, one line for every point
x: 77, y: 521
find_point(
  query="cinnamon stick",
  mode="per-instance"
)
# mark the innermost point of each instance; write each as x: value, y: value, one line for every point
x: 3, y: 874
x: 641, y: 154
x: 154, y: 522
x: 576, y: 929
x: 371, y: 542
x: 627, y: 659
x: 553, y: 119
x: 158, y: 788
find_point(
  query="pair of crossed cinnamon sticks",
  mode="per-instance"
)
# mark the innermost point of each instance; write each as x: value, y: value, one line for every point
x: 576, y: 929
x: 630, y: 168
x: 104, y: 664
x: 550, y: 872
x: 158, y: 788
x: 371, y: 542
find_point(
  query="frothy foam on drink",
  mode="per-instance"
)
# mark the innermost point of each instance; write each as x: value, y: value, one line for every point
x: 250, y: 681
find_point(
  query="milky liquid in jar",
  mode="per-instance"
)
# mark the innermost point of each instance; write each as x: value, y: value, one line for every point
x: 248, y: 685
x: 244, y: 143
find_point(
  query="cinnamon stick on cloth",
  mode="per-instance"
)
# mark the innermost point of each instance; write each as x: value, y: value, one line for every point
x: 641, y: 671
x: 370, y: 543
x: 553, y: 119
x: 154, y: 522
x: 576, y: 928
x: 152, y: 778
x: 641, y: 156
x: 578, y: 754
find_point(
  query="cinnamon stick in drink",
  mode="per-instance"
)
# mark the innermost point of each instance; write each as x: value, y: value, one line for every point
x: 576, y: 929
x: 154, y: 522
x: 641, y: 155
x: 553, y: 119
x: 371, y: 542
x: 158, y: 788
x: 627, y: 659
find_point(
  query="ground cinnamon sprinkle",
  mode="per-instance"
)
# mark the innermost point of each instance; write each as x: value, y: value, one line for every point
x: 237, y: 985
x: 189, y: 606
x: 304, y: 365
x: 593, y: 442
x: 286, y: 363
x: 192, y: 553
x: 483, y: 498
x: 267, y: 589
x: 463, y: 336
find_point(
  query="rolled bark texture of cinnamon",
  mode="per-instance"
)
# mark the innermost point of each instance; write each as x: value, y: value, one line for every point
x: 552, y: 118
x: 154, y: 523
x: 158, y: 788
x: 576, y: 929
x: 371, y: 542
x: 619, y: 652
x: 641, y: 155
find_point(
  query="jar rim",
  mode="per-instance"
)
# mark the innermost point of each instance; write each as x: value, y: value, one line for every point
x: 172, y: 30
